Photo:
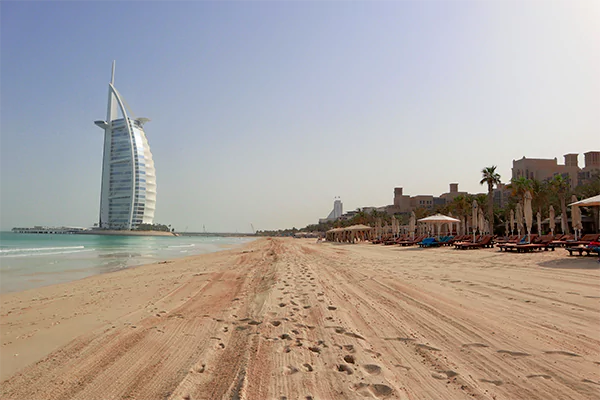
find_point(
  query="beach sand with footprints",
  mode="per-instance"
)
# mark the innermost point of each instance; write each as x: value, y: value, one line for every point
x: 292, y: 319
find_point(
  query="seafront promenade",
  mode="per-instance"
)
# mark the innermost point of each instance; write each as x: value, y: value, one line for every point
x: 285, y: 318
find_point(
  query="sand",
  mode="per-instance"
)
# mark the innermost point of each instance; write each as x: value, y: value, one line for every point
x: 292, y: 319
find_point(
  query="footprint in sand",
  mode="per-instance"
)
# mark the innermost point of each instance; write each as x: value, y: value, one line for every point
x: 591, y: 381
x: 354, y: 335
x: 562, y: 353
x: 493, y: 382
x: 372, y: 369
x: 290, y: 370
x: 349, y: 359
x: 332, y: 308
x: 401, y: 339
x: 475, y: 345
x: 315, y: 349
x: 380, y: 390
x: 344, y: 368
x: 308, y: 367
x: 427, y: 347
x: 444, y: 374
x: 513, y: 353
x: 275, y: 323
x: 349, y: 347
x: 539, y: 376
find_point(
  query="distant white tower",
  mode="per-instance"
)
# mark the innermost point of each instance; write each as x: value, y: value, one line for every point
x: 128, y: 194
x: 337, y: 211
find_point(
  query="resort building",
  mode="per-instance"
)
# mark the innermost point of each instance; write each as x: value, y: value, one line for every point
x: 543, y: 169
x: 591, y: 166
x: 128, y: 193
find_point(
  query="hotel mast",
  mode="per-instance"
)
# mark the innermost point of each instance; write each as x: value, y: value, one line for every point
x: 128, y: 194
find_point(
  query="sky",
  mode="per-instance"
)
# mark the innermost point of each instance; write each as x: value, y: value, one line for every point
x: 262, y: 112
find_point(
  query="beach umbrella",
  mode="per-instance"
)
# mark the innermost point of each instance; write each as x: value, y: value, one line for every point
x: 576, y: 218
x: 506, y: 228
x: 411, y: 224
x: 450, y: 224
x: 539, y: 223
x: 519, y: 218
x: 552, y: 220
x: 474, y: 217
x: 481, y: 222
x: 528, y: 214
x: 563, y: 225
x: 512, y: 221
x: 463, y: 225
x: 590, y: 201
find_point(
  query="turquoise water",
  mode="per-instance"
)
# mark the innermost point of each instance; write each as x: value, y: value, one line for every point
x: 33, y: 260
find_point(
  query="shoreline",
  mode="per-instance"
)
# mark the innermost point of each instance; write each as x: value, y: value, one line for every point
x: 73, y: 294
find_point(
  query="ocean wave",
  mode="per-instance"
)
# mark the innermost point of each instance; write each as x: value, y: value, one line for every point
x: 36, y: 249
x: 183, y: 245
x: 36, y: 254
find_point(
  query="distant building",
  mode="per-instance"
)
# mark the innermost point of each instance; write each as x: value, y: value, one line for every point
x: 336, y: 213
x: 452, y: 194
x: 405, y: 204
x: 545, y: 169
x: 591, y: 166
x: 501, y: 194
x: 128, y: 193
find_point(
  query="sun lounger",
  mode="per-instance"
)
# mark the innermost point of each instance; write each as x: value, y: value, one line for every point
x: 485, y: 241
x: 581, y: 249
x: 427, y: 242
x: 409, y: 242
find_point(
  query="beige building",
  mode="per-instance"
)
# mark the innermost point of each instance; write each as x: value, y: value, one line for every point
x: 453, y: 193
x: 543, y: 169
x: 591, y: 166
x: 405, y: 204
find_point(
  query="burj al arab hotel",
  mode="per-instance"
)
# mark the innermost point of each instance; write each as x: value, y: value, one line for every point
x: 128, y: 194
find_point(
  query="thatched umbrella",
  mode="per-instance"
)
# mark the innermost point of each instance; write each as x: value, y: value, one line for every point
x: 519, y: 218
x: 474, y: 217
x: 512, y: 221
x: 576, y: 218
x: 539, y: 223
x: 552, y: 220
x: 528, y: 214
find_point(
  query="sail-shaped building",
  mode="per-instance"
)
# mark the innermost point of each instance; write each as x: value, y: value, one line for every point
x: 128, y: 194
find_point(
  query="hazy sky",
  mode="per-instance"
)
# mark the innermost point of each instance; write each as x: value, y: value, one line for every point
x: 262, y: 112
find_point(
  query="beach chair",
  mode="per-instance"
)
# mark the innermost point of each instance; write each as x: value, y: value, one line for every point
x: 484, y: 241
x: 427, y: 242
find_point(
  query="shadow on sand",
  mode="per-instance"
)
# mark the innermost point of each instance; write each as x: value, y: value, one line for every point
x: 572, y: 263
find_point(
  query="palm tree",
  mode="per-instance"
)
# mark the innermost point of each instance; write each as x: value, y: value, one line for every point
x: 519, y: 186
x: 491, y: 177
x: 561, y: 187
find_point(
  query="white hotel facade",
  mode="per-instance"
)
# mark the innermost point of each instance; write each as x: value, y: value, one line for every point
x: 128, y: 194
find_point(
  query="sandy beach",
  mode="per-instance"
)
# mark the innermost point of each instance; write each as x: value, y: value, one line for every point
x: 292, y: 319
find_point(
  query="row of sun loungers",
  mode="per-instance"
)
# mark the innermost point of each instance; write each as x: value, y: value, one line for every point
x: 516, y: 243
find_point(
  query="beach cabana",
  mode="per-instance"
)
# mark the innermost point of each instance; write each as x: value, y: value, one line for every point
x: 350, y: 234
x: 593, y: 201
x: 438, y: 220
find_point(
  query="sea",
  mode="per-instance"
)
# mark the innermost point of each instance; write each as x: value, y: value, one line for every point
x: 29, y: 261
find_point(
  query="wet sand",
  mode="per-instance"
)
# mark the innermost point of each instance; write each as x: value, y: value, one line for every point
x: 291, y: 319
